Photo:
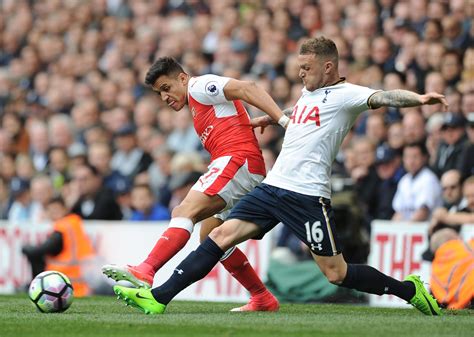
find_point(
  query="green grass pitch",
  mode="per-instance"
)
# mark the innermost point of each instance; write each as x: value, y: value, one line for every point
x: 106, y: 316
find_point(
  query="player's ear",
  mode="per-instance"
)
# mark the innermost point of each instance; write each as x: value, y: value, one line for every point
x: 328, y: 65
x: 182, y: 78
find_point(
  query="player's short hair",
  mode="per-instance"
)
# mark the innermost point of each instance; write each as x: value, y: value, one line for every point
x: 320, y: 46
x: 164, y: 66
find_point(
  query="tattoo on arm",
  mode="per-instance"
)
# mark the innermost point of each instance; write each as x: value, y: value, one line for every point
x: 396, y: 98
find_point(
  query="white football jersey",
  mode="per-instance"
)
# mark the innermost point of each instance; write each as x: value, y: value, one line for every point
x: 319, y: 122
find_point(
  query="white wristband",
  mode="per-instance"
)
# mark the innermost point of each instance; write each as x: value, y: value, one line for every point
x: 284, y: 121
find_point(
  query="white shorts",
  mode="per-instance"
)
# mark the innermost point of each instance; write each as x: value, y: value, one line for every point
x: 230, y: 178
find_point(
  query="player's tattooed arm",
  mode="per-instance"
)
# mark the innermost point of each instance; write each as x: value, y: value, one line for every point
x: 404, y: 98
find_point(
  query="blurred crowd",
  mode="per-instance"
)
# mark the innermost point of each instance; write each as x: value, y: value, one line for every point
x: 76, y: 119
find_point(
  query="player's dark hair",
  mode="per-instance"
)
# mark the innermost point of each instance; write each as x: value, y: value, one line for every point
x: 321, y: 47
x: 164, y: 66
x: 420, y: 145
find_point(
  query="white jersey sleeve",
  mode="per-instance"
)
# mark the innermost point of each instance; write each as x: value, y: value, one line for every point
x: 358, y: 99
x: 208, y: 89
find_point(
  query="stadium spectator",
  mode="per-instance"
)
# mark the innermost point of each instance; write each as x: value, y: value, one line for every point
x: 442, y: 217
x: 454, y: 98
x: 382, y: 53
x: 376, y: 128
x: 77, y: 155
x: 24, y: 167
x: 452, y: 202
x: 364, y: 151
x: 183, y: 138
x: 413, y: 127
x: 418, y: 192
x: 455, y: 37
x: 21, y: 210
x: 61, y: 131
x: 452, y: 270
x: 58, y: 167
x: 4, y: 199
x: 452, y: 144
x: 144, y: 206
x: 67, y: 249
x: 99, y: 155
x: 159, y: 174
x: 89, y: 199
x: 451, y: 68
x: 467, y: 157
x: 433, y: 139
x: 395, y: 137
x: 14, y: 126
x: 122, y: 188
x: 389, y: 168
x: 129, y: 159
x: 39, y: 145
x: 364, y: 174
x: 467, y: 102
x: 434, y: 82
x: 41, y: 192
x: 451, y: 185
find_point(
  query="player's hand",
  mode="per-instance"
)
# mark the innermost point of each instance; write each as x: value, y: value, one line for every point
x: 261, y: 122
x: 434, y: 98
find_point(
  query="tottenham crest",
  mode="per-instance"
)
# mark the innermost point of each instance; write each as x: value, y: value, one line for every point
x: 211, y: 88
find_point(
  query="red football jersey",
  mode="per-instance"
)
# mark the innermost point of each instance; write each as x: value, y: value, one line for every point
x: 222, y: 126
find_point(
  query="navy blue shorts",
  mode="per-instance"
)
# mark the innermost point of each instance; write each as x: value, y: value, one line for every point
x: 310, y: 218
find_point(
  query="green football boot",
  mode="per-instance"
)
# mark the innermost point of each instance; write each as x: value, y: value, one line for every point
x: 422, y: 300
x: 141, y: 299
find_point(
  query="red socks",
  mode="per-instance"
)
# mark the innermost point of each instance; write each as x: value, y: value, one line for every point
x: 170, y: 242
x: 239, y: 267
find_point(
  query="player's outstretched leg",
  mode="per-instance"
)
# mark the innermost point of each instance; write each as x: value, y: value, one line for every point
x: 368, y: 279
x: 141, y: 299
x: 170, y: 242
x: 422, y: 300
x: 237, y: 264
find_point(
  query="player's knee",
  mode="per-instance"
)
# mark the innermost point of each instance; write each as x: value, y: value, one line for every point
x: 334, y: 274
x: 222, y: 237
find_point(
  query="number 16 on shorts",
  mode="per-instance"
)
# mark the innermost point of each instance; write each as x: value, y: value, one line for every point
x: 314, y: 235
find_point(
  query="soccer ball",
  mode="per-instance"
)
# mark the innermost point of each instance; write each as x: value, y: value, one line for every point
x: 51, y: 291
